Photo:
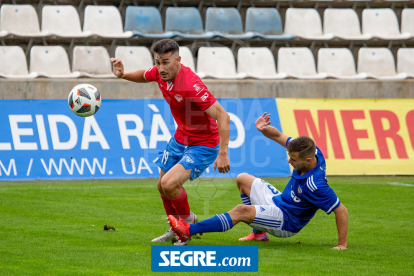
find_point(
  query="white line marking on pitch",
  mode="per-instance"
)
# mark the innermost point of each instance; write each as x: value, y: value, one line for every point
x: 400, y: 184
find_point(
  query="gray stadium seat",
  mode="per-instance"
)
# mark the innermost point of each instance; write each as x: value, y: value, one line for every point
x: 225, y: 22
x: 298, y: 63
x: 145, y: 22
x: 338, y: 63
x: 378, y: 63
x: 265, y: 23
x: 62, y: 20
x: 383, y: 24
x: 187, y: 58
x: 305, y: 23
x: 217, y: 62
x: 104, y: 21
x: 92, y: 61
x: 185, y: 22
x: 343, y: 24
x: 51, y: 62
x: 13, y: 63
x: 258, y: 63
x: 134, y: 57
x: 20, y: 20
x: 405, y: 61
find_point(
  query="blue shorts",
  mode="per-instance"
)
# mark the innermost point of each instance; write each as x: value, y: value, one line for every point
x: 196, y: 158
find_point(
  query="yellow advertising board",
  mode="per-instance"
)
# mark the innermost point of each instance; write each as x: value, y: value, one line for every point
x: 357, y: 136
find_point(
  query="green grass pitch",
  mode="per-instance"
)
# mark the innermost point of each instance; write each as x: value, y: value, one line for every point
x: 56, y: 228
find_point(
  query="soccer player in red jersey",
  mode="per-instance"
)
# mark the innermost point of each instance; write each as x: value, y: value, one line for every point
x: 199, y: 139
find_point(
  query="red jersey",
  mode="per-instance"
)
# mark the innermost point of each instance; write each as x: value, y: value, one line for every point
x: 189, y: 99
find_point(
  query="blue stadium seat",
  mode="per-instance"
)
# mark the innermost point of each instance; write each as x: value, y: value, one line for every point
x: 265, y: 23
x: 185, y: 22
x: 145, y: 22
x: 226, y: 22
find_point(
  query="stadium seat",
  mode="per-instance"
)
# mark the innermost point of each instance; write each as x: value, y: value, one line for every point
x: 20, y: 20
x: 225, y: 22
x: 134, y: 57
x: 338, y: 63
x: 104, y: 21
x: 145, y: 22
x: 383, y: 24
x: 185, y: 22
x: 257, y: 63
x: 51, y: 62
x: 305, y: 23
x: 187, y: 57
x: 407, y: 21
x: 378, y: 63
x: 13, y: 63
x: 92, y: 61
x: 405, y: 61
x: 265, y: 23
x: 217, y: 62
x: 298, y: 63
x: 343, y: 24
x: 62, y: 20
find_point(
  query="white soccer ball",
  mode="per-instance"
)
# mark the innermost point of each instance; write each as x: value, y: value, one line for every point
x: 84, y: 100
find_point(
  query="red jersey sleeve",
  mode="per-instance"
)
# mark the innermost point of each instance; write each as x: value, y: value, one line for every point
x: 151, y: 74
x: 200, y: 95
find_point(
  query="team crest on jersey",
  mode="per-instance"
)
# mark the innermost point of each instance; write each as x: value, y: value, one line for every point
x: 299, y: 190
x: 178, y: 97
x: 189, y: 159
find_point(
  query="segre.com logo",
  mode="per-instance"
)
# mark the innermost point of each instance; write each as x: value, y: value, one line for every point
x: 221, y: 258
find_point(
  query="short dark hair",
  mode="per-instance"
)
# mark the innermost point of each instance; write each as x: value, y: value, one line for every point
x: 165, y: 46
x: 303, y: 145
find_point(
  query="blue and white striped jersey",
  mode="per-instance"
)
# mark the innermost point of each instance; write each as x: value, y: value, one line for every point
x: 305, y: 194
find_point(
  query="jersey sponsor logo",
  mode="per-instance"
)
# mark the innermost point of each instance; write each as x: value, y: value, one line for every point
x: 262, y: 209
x: 189, y: 159
x: 170, y: 86
x: 294, y: 197
x: 178, y: 97
x: 198, y: 89
x: 204, y: 97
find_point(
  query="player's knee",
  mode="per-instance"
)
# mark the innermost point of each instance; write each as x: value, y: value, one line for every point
x: 159, y: 187
x: 243, y: 179
x: 241, y: 209
x: 168, y: 186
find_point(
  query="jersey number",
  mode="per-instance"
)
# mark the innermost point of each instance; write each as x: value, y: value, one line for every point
x: 273, y: 189
x: 165, y: 157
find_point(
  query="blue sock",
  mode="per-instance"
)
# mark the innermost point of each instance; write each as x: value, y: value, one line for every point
x: 218, y: 223
x: 245, y: 199
x: 257, y: 231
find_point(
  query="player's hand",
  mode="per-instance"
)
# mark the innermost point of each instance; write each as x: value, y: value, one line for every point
x: 118, y: 67
x: 340, y: 247
x: 222, y: 163
x: 263, y: 121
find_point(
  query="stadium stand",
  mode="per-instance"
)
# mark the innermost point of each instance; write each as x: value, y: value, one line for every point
x: 407, y: 21
x: 405, y: 58
x: 383, y: 24
x: 298, y: 62
x: 51, y: 62
x: 92, y: 61
x: 63, y: 21
x: 338, y: 63
x: 134, y: 57
x: 186, y: 23
x: 104, y: 21
x: 217, y: 62
x: 257, y: 63
x: 265, y: 23
x: 20, y: 20
x: 13, y: 63
x: 187, y: 57
x: 226, y: 22
x: 378, y: 63
x: 145, y: 22
x: 305, y: 24
x: 343, y: 24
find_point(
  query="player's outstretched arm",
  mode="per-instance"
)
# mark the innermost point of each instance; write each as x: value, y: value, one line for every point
x: 118, y: 69
x: 223, y: 123
x: 341, y: 215
x: 263, y: 125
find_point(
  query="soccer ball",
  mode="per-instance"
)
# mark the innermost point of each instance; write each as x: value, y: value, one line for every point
x: 84, y: 100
